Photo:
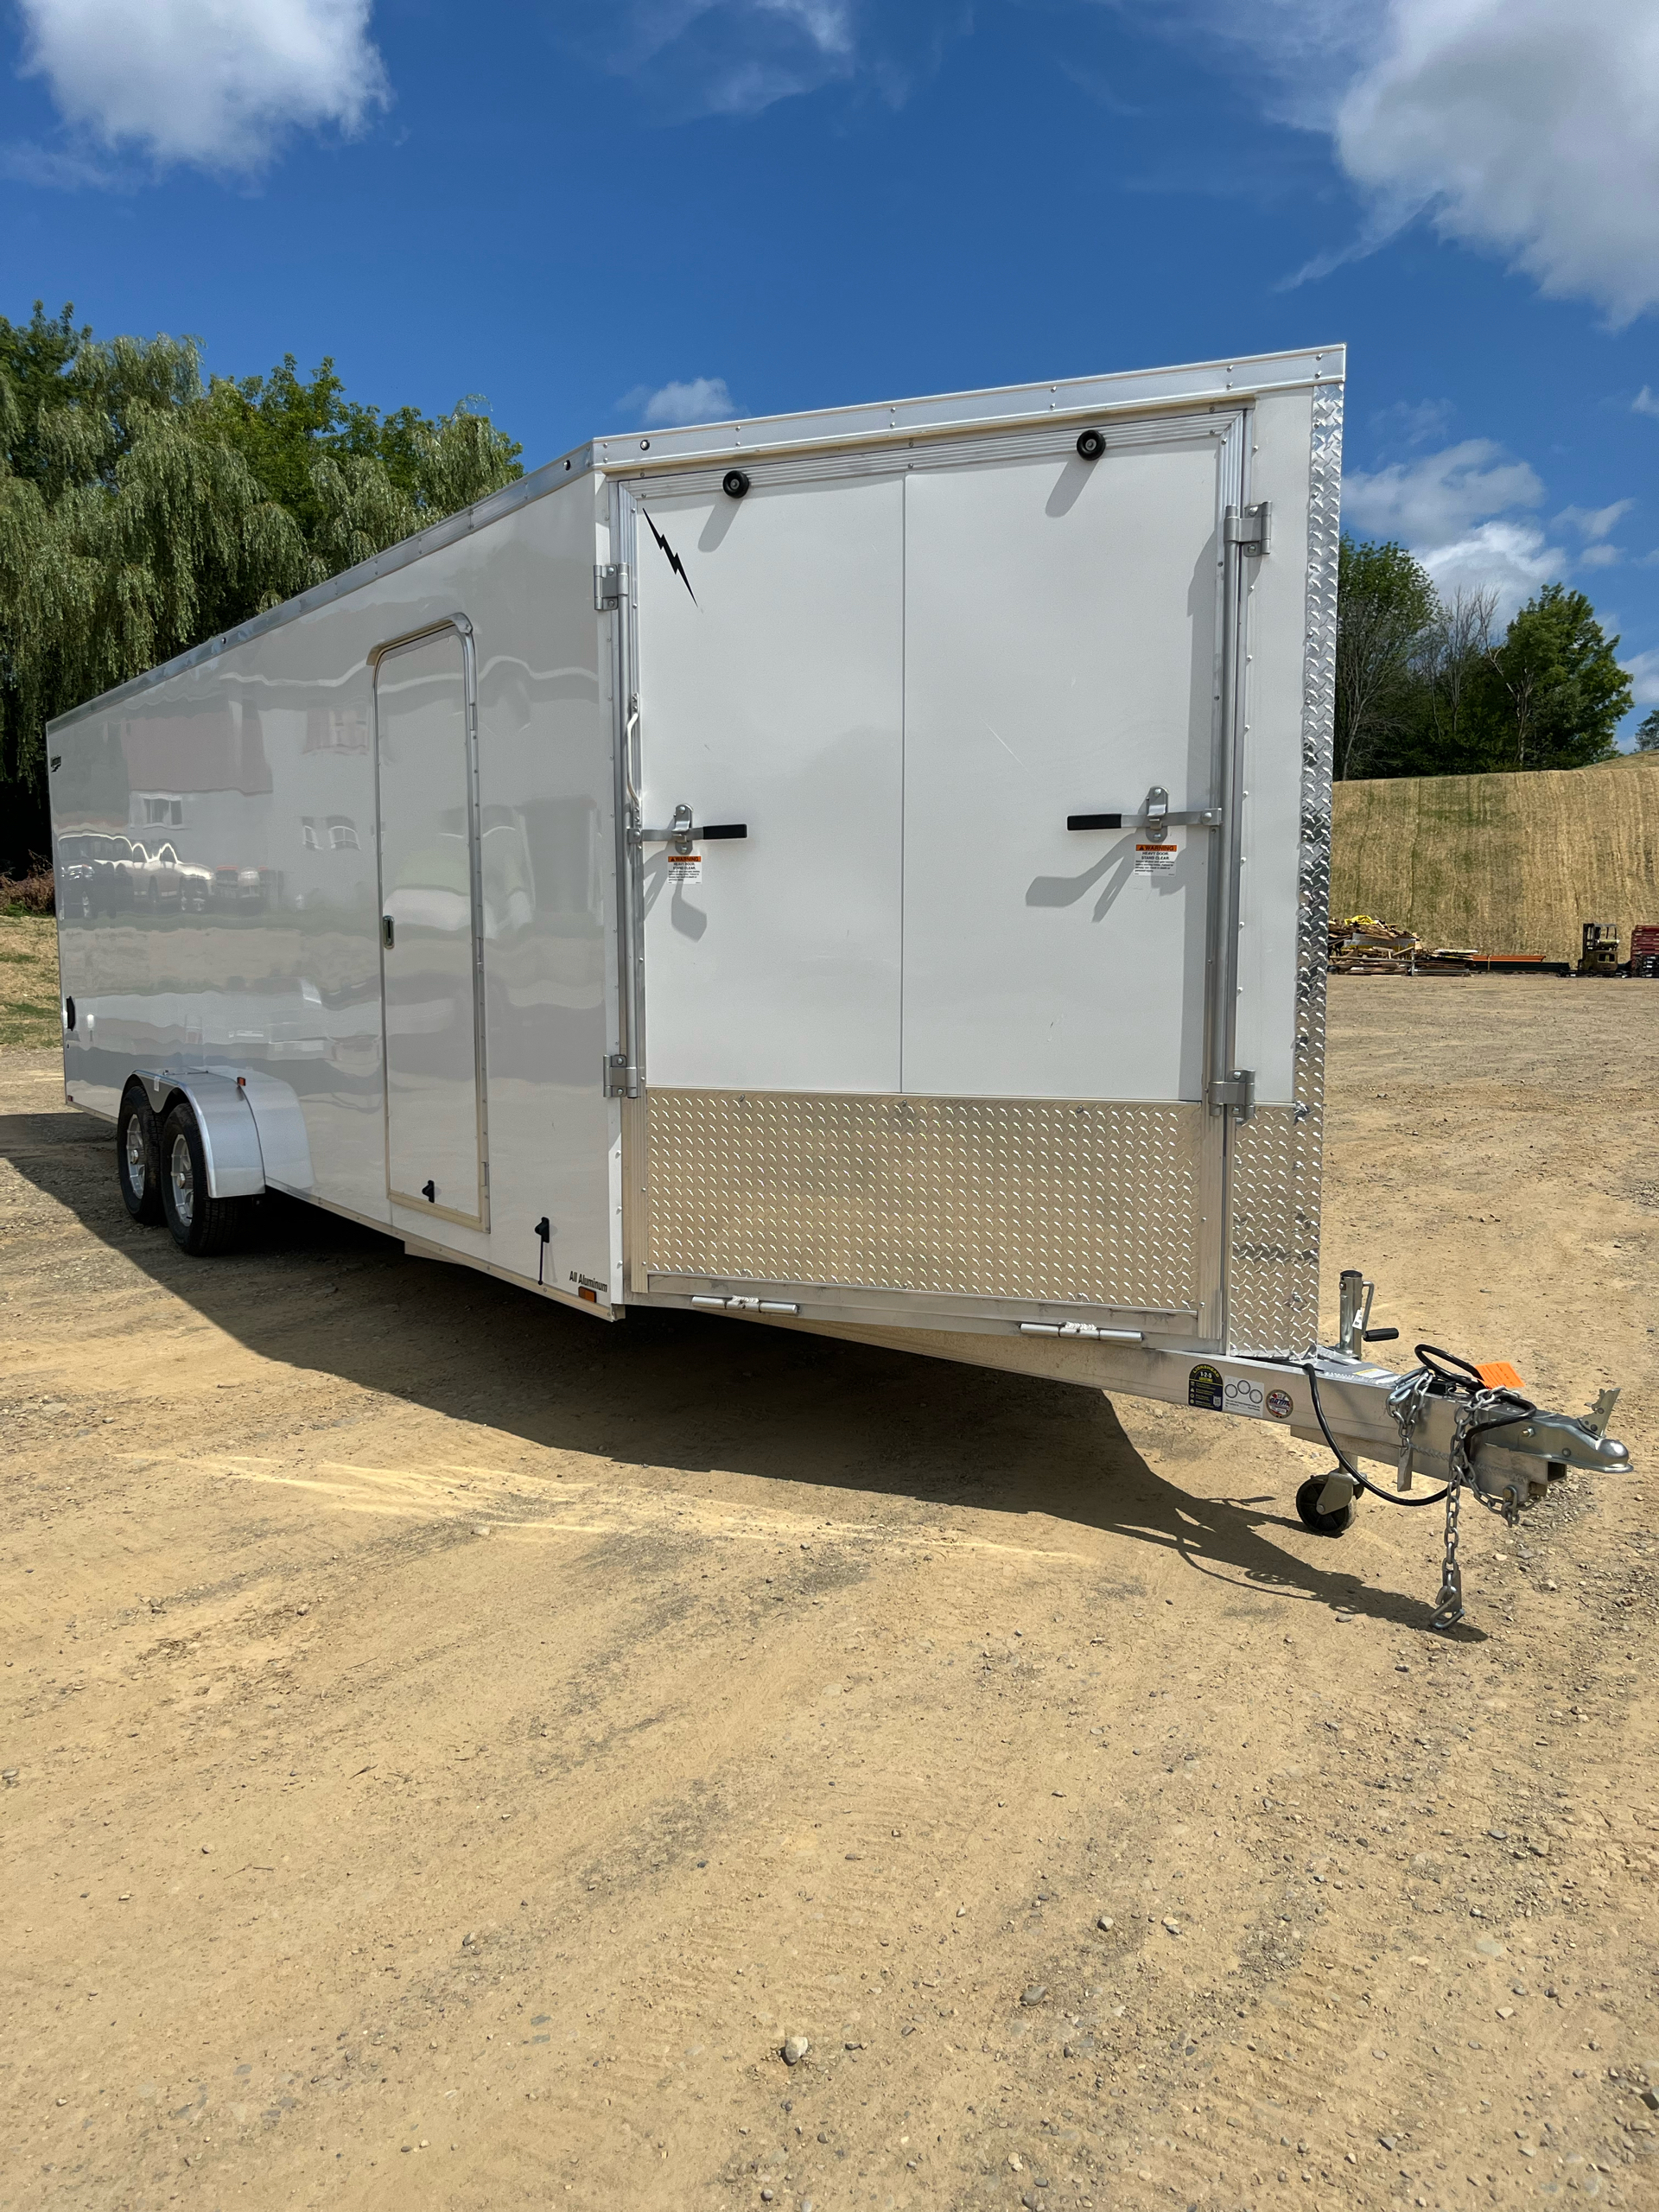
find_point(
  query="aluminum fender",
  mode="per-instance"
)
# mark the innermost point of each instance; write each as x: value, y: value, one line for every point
x: 279, y: 1132
x: 230, y: 1135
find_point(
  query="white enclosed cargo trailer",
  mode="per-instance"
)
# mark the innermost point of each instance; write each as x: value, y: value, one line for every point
x: 862, y: 871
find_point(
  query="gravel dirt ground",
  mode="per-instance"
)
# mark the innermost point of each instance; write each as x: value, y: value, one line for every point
x: 450, y: 1745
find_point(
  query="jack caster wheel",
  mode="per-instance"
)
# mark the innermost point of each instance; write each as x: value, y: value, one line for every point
x: 1307, y: 1507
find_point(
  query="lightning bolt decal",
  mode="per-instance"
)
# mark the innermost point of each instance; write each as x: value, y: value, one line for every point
x: 673, y: 558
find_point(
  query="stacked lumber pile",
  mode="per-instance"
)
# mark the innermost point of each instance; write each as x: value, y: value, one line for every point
x: 1361, y: 946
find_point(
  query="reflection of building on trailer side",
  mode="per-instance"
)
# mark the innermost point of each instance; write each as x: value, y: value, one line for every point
x: 191, y: 840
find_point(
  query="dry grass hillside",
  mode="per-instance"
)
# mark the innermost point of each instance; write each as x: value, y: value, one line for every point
x: 28, y: 980
x: 1506, y: 863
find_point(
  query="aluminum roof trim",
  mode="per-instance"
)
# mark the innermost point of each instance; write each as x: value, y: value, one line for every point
x: 1191, y: 384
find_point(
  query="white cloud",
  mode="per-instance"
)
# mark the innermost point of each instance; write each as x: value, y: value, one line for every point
x: 1511, y: 558
x: 1593, y: 523
x: 1409, y: 423
x: 738, y: 57
x: 700, y: 399
x: 1645, y: 403
x: 1524, y: 128
x: 1441, y: 494
x: 1528, y: 127
x: 1463, y: 513
x: 1643, y: 669
x: 211, y: 82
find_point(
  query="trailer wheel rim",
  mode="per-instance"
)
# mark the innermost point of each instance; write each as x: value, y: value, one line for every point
x: 182, y: 1177
x: 135, y: 1168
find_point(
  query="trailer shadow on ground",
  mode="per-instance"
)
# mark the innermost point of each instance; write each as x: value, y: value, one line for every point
x: 664, y: 1393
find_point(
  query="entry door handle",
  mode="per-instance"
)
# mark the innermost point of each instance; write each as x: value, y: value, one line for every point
x: 681, y: 832
x: 388, y: 932
x: 1156, y: 815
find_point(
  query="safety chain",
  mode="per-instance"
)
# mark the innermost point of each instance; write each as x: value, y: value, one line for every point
x: 1405, y: 1403
x: 1448, y: 1605
x: 1485, y: 1410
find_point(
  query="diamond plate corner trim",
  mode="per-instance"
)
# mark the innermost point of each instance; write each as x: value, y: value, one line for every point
x: 1272, y: 1257
x: 1273, y: 1266
x: 1012, y: 1198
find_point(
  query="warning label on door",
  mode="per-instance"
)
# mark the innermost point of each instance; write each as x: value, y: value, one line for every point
x: 1150, y: 858
x: 685, y: 867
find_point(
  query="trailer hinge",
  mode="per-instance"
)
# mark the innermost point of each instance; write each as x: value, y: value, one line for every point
x: 611, y: 587
x: 621, y: 1081
x: 1236, y: 1090
x: 1250, y: 528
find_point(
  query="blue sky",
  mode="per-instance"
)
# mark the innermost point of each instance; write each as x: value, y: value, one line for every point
x: 595, y: 217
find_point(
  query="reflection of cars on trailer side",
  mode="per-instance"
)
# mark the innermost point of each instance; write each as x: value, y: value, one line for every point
x: 93, y: 872
x: 239, y: 889
x: 162, y: 880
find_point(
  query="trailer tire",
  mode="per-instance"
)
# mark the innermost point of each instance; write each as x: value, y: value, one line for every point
x: 138, y: 1157
x: 202, y: 1226
x: 1307, y: 1508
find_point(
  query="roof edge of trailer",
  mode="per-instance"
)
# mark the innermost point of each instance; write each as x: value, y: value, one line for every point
x: 1189, y: 383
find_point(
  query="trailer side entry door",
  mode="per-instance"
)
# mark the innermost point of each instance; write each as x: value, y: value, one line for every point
x: 430, y: 925
x: 913, y: 1032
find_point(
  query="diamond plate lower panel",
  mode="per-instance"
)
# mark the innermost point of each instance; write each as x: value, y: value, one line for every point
x: 1017, y: 1198
x: 1272, y: 1275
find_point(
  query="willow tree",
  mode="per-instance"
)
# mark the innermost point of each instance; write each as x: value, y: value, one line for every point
x: 143, y: 510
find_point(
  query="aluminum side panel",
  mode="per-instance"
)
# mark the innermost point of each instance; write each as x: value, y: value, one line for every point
x: 255, y: 949
x: 546, y: 782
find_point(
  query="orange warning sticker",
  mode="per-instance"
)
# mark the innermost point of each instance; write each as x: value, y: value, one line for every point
x: 1499, y: 1375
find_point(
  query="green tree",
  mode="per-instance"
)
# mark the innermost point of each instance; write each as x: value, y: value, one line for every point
x: 1385, y: 607
x: 1552, y: 693
x: 141, y: 513
x: 1424, y: 688
x: 301, y: 442
x: 1647, y: 732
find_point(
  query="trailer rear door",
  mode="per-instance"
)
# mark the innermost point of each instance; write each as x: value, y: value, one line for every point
x: 772, y: 698
x: 916, y: 1031
x: 1062, y: 630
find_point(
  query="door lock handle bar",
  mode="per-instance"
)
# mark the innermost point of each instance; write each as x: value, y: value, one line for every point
x: 682, y: 832
x: 1156, y: 815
